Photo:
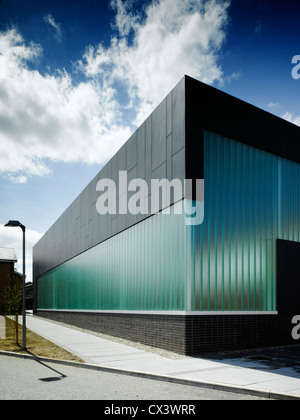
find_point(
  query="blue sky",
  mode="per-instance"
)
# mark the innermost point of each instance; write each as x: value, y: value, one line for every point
x: 78, y: 77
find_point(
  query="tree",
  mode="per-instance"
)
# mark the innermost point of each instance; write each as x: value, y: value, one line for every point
x: 11, y: 300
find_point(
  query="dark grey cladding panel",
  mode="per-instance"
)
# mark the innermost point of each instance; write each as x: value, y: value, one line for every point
x: 178, y: 117
x: 209, y: 109
x: 155, y: 150
x: 159, y: 135
x: 121, y: 157
x: 141, y: 149
x: 132, y: 151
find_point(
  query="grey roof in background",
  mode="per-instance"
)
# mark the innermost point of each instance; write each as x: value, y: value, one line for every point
x: 8, y: 254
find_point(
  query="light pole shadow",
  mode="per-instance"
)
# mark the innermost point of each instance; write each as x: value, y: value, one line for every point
x: 50, y: 378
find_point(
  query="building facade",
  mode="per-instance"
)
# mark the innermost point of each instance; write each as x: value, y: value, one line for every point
x: 7, y: 273
x: 186, y: 270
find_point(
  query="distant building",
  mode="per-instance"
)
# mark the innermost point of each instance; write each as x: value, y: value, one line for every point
x: 230, y: 279
x: 8, y: 259
x: 7, y: 265
x: 28, y: 295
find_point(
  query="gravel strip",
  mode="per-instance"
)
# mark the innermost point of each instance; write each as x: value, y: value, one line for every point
x: 160, y: 352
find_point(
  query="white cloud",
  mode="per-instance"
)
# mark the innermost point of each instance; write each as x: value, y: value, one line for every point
x: 273, y: 105
x: 291, y: 118
x: 55, y: 27
x: 228, y: 79
x: 125, y: 20
x: 2, y: 68
x: 46, y: 118
x: 13, y: 238
x: 176, y: 37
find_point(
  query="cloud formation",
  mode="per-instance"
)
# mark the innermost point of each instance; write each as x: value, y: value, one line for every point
x: 176, y: 37
x: 49, y: 117
x: 55, y: 27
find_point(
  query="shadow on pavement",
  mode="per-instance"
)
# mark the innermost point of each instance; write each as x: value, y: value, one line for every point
x: 51, y: 378
x: 281, y: 360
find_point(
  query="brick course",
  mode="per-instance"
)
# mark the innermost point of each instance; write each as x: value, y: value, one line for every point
x: 185, y: 334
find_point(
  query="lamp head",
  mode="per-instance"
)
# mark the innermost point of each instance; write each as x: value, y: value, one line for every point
x: 15, y: 223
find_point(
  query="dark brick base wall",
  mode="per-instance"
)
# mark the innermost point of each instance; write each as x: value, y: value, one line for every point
x: 167, y: 332
x: 190, y: 335
x: 210, y: 333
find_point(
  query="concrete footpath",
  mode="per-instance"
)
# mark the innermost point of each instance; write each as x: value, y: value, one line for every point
x: 275, y: 377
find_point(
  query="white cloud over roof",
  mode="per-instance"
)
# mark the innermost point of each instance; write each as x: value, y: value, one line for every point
x: 48, y: 118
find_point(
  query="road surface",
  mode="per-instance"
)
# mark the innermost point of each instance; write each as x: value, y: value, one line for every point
x: 28, y: 379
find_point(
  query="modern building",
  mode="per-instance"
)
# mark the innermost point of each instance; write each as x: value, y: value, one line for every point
x: 213, y: 275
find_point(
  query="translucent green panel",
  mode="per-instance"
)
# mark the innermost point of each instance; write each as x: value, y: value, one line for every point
x: 142, y: 268
x: 251, y: 199
x: 226, y: 264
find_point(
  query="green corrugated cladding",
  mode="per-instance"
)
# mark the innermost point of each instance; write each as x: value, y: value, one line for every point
x: 138, y: 269
x: 251, y: 199
x: 226, y: 264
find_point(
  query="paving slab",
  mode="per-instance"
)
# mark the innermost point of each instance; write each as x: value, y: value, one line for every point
x: 235, y: 373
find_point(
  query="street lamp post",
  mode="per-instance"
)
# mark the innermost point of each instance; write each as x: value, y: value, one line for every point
x: 15, y: 223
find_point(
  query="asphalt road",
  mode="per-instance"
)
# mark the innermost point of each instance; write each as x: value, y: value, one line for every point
x: 23, y: 379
